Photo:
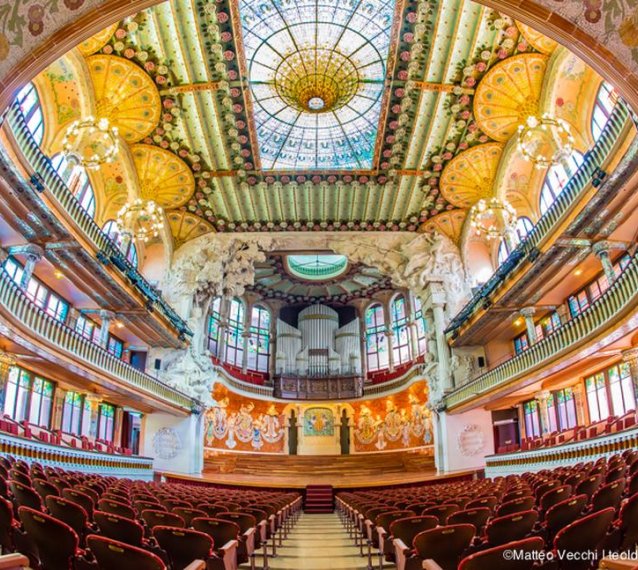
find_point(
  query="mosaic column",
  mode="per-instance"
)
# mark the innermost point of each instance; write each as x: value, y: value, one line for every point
x: 542, y: 398
x: 389, y: 336
x: 7, y: 361
x: 58, y: 407
x: 630, y: 357
x: 601, y: 249
x: 579, y: 400
x: 412, y: 326
x: 94, y: 405
x: 106, y: 317
x: 442, y: 349
x: 528, y: 314
x: 223, y: 327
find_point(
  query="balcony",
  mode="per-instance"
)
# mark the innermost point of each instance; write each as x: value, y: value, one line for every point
x: 27, y: 320
x: 48, y: 454
x: 618, y: 301
x: 589, y: 174
x: 45, y: 178
x: 293, y: 387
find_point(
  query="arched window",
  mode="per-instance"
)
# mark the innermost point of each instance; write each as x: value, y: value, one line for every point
x: 112, y: 231
x: 421, y: 325
x: 376, y: 341
x: 29, y: 103
x: 557, y: 178
x: 77, y: 181
x: 523, y: 226
x: 259, y: 340
x: 213, y: 326
x: 603, y: 108
x: 235, y: 334
x: 401, y: 349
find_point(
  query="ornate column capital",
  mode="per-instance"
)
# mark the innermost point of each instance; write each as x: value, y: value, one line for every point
x: 542, y: 396
x: 31, y: 251
x: 527, y: 312
x: 630, y: 356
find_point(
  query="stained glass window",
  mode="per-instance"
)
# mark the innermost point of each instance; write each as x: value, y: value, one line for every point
x: 72, y: 413
x: 41, y: 402
x: 376, y: 341
x: 421, y: 325
x: 566, y: 408
x: 557, y: 178
x: 316, y: 267
x: 597, y: 399
x: 213, y: 326
x: 127, y: 247
x: 29, y: 103
x: 603, y: 108
x: 235, y: 334
x: 29, y: 397
x: 532, y: 418
x: 316, y: 69
x: 259, y: 340
x: 106, y: 422
x: 401, y: 349
x: 77, y: 181
x: 523, y: 226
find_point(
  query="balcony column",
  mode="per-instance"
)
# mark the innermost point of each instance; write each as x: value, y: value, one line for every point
x: 32, y: 253
x: 7, y: 361
x: 579, y: 401
x: 521, y: 421
x: 630, y: 357
x: 58, y: 408
x: 412, y: 326
x: 223, y: 327
x: 528, y: 314
x: 117, y: 426
x: 541, y: 398
x: 442, y: 349
x: 389, y: 335
x: 106, y: 317
x: 601, y: 249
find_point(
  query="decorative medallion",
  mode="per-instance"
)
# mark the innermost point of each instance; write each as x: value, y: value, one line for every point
x: 166, y: 443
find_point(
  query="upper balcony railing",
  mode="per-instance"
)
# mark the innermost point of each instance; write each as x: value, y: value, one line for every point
x: 621, y: 296
x: 573, y: 191
x: 46, y: 177
x: 20, y: 309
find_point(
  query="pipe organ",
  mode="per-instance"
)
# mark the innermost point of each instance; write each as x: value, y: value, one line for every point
x: 318, y: 347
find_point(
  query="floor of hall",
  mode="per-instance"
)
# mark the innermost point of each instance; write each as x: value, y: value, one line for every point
x: 318, y: 542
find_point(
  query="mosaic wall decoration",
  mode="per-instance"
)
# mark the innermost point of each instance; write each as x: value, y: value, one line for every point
x: 318, y: 422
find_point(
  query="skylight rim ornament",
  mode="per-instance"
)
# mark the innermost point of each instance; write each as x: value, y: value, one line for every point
x: 494, y: 218
x: 140, y: 220
x: 89, y: 127
x: 560, y: 136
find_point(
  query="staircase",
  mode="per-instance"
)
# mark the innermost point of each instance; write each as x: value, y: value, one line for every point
x: 319, y: 499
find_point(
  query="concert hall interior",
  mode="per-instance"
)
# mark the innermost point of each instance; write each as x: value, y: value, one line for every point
x: 318, y: 284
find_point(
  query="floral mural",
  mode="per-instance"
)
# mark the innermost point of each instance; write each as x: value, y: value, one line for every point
x: 318, y: 422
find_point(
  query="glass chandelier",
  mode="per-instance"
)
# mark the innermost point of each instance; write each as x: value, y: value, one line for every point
x: 545, y: 141
x: 140, y: 220
x: 493, y: 218
x: 90, y: 142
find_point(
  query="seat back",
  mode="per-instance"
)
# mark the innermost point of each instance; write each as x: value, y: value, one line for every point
x: 188, y: 514
x: 210, y: 509
x: 553, y: 496
x: 44, y: 488
x: 221, y: 531
x: 384, y: 520
x: 6, y: 524
x: 589, y: 485
x: 244, y: 521
x: 444, y: 544
x: 564, y: 513
x: 116, y: 508
x: 584, y: 534
x: 442, y: 512
x: 55, y: 541
x: 183, y: 545
x: 69, y: 512
x: 119, y: 528
x: 477, y: 517
x: 515, y: 506
x: 608, y: 495
x: 25, y: 496
x: 510, y: 527
x: 81, y: 499
x: 489, y: 502
x: 114, y: 555
x: 154, y: 518
x: 496, y: 558
x: 629, y: 523
x: 20, y: 477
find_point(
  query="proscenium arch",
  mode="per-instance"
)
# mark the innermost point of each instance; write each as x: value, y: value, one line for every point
x: 25, y: 60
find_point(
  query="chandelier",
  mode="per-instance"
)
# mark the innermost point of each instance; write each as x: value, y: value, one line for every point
x: 90, y: 142
x: 545, y: 141
x: 493, y: 218
x: 140, y: 220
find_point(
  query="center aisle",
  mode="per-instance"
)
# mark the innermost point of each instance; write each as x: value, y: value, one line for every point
x: 318, y: 542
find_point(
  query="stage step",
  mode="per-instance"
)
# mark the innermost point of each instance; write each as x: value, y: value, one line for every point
x: 319, y: 499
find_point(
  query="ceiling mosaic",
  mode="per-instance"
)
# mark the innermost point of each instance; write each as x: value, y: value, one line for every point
x: 316, y: 116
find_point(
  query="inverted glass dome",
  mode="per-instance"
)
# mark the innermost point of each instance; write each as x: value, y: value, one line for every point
x: 316, y: 267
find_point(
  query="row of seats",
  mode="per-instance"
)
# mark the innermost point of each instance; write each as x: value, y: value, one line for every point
x: 613, y: 424
x: 76, y: 521
x: 58, y: 437
x: 588, y: 507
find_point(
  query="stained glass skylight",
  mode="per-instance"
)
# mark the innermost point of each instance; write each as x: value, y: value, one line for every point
x: 316, y: 267
x: 316, y: 69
